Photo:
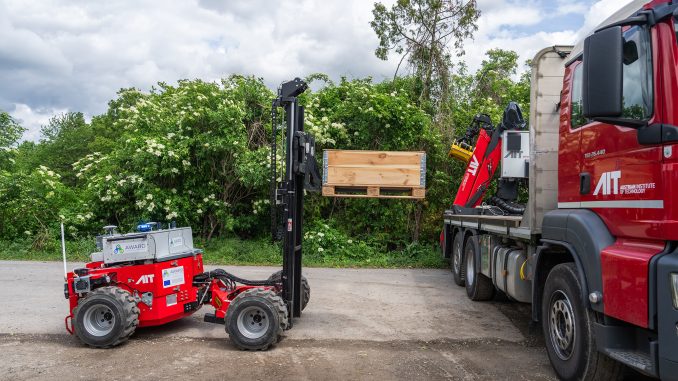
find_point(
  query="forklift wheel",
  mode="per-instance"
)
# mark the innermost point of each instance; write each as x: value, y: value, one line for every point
x: 306, y: 288
x: 106, y: 317
x: 256, y: 319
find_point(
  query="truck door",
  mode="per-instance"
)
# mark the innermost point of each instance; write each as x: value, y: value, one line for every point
x: 571, y: 121
x: 624, y: 175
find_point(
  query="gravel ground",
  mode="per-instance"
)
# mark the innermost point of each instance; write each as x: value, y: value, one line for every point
x: 359, y: 324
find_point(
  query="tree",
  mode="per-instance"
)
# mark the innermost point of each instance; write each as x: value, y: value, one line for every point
x: 10, y: 130
x: 422, y: 31
x: 65, y: 139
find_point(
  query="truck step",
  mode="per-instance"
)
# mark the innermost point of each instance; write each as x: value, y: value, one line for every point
x: 636, y: 360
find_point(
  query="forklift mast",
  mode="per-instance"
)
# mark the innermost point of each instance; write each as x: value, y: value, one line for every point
x: 287, y: 196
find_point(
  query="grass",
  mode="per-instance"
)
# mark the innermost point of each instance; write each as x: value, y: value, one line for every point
x: 233, y: 251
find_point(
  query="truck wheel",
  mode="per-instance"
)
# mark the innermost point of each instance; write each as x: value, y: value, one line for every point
x: 457, y: 259
x: 305, y: 287
x: 478, y: 286
x: 106, y: 317
x: 256, y: 319
x: 568, y: 330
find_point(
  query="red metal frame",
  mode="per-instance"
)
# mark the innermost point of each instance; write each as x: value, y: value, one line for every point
x: 141, y: 278
x: 479, y: 171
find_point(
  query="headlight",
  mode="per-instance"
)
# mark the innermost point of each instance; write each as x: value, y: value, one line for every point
x: 674, y: 288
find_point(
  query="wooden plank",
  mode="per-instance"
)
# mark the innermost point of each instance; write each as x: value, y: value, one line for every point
x: 328, y: 191
x: 418, y: 192
x: 380, y: 196
x: 373, y: 176
x: 374, y: 192
x: 348, y: 157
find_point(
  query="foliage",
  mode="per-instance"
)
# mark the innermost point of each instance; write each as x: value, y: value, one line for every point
x: 422, y: 31
x: 198, y: 153
x: 232, y: 251
x: 195, y: 153
x: 10, y: 133
x: 488, y: 90
x: 10, y: 130
x: 361, y: 115
x: 33, y: 203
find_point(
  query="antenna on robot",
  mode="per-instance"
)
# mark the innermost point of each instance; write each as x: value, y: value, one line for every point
x: 63, y: 250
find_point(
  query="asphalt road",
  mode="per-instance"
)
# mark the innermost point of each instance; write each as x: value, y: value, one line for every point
x: 359, y: 324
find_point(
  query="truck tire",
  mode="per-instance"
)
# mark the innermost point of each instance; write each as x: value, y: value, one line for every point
x: 256, y: 319
x: 106, y: 317
x: 305, y: 287
x: 457, y: 260
x: 478, y: 286
x: 568, y: 330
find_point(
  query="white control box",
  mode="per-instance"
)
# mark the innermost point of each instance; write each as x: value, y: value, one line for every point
x: 157, y: 245
x: 515, y: 154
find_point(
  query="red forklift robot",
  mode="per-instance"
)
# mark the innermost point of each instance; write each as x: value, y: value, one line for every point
x: 154, y: 276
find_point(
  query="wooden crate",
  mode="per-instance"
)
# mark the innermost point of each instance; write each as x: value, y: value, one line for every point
x: 374, y: 174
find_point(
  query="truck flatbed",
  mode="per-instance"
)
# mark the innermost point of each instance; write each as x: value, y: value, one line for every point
x: 509, y: 226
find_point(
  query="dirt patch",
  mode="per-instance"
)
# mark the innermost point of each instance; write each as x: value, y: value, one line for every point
x: 56, y: 357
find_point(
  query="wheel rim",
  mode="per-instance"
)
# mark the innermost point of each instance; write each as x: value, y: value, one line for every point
x: 99, y: 320
x: 470, y: 271
x: 456, y: 260
x: 252, y: 322
x: 562, y: 325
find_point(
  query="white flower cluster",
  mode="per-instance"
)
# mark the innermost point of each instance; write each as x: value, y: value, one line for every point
x: 259, y: 206
x: 323, y: 129
x: 49, y: 177
x: 154, y: 148
x: 86, y: 163
x: 84, y: 217
x: 48, y: 172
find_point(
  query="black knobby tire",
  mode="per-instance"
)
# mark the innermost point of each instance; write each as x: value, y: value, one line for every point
x: 106, y: 317
x: 457, y: 260
x: 478, y: 286
x: 256, y: 319
x: 568, y: 330
x: 305, y: 287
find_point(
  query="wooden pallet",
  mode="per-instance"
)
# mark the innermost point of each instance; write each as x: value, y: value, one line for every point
x: 374, y: 174
x: 373, y: 192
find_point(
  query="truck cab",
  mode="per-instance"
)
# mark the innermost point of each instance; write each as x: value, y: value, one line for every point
x: 596, y: 249
x: 616, y: 178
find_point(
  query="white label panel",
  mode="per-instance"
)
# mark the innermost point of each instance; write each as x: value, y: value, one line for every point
x: 173, y: 276
x: 176, y: 241
x: 130, y: 247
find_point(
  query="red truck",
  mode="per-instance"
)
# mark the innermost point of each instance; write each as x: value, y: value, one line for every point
x: 595, y: 247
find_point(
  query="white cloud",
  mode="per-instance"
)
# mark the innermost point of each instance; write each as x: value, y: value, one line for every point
x: 33, y: 119
x: 58, y: 55
x: 598, y: 12
x: 490, y: 35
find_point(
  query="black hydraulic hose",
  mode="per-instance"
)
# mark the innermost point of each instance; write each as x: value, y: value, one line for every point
x: 506, y: 206
x: 224, y: 275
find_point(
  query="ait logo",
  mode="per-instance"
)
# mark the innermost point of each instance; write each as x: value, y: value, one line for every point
x: 118, y: 249
x: 473, y: 165
x: 146, y: 279
x: 608, y: 183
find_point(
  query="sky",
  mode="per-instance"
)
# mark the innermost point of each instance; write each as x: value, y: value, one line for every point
x: 74, y: 55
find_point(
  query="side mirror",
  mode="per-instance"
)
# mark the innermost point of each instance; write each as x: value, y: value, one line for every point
x: 603, y: 87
